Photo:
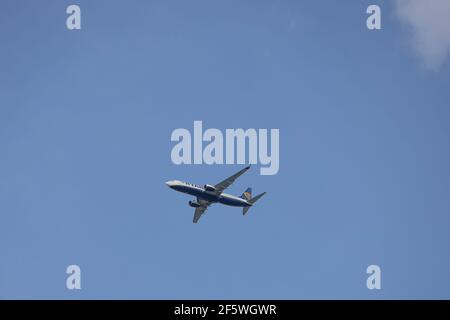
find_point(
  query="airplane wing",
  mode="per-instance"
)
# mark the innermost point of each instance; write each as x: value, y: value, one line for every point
x: 198, y: 213
x: 221, y: 186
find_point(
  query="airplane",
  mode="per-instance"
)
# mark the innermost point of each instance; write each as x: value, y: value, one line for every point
x: 209, y: 194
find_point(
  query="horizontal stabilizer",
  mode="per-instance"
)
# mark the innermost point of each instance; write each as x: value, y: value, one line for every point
x: 252, y: 201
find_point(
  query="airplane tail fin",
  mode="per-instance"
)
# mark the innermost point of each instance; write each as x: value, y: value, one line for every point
x: 252, y: 201
x: 247, y: 195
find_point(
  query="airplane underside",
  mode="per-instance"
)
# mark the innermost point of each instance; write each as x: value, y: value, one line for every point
x: 219, y: 199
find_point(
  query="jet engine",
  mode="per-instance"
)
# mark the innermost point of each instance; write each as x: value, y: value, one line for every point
x: 209, y: 187
x: 194, y: 204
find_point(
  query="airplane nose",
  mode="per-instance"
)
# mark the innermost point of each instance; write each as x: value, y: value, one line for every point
x: 170, y: 184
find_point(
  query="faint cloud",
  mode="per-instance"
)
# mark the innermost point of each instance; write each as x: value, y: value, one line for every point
x: 429, y: 21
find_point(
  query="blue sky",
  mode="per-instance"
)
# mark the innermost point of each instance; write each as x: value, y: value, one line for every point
x: 85, y: 124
